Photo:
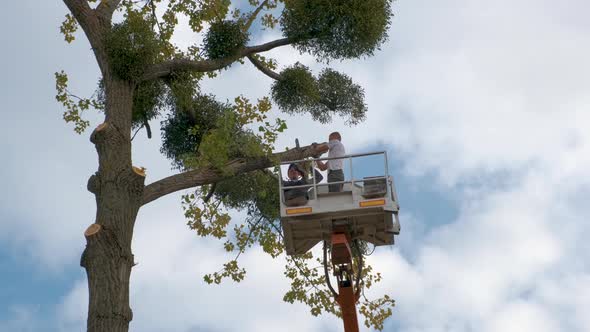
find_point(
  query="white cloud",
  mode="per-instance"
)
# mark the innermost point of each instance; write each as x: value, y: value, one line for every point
x: 71, y: 312
x: 21, y: 318
x: 474, y: 95
x: 512, y: 261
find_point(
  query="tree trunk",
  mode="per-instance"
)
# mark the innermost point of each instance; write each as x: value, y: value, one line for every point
x: 118, y: 188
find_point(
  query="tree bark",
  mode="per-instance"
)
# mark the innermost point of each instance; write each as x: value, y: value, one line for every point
x: 118, y: 189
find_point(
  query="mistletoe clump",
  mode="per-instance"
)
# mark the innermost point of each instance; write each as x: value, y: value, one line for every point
x: 149, y: 98
x: 131, y: 46
x: 298, y: 91
x: 211, y: 133
x: 332, y: 29
x: 224, y: 38
x: 147, y: 102
x: 338, y: 94
x: 186, y: 126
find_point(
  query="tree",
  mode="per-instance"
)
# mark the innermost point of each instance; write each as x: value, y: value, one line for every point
x: 145, y: 77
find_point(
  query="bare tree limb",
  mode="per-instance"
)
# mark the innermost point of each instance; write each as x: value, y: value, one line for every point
x: 166, y: 68
x: 106, y: 8
x: 268, y: 72
x: 254, y: 14
x: 201, y: 177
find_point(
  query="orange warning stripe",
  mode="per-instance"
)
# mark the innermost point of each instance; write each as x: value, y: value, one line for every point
x: 374, y: 202
x: 299, y: 210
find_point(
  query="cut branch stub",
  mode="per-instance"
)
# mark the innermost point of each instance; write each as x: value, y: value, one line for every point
x: 93, y: 184
x: 101, y: 126
x: 98, y: 132
x: 139, y: 171
x: 92, y: 230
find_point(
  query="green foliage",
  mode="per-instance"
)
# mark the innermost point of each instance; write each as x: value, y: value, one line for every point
x: 147, y: 102
x: 183, y: 88
x: 131, y: 46
x: 338, y: 94
x: 210, y: 133
x: 378, y: 310
x: 177, y: 139
x: 224, y: 39
x: 269, y: 21
x: 298, y: 91
x: 308, y: 284
x: 187, y: 124
x: 205, y: 219
x: 199, y: 11
x: 249, y: 114
x: 149, y: 98
x: 68, y: 28
x: 230, y: 269
x: 217, y: 146
x: 337, y: 29
x: 255, y: 191
x: 73, y: 104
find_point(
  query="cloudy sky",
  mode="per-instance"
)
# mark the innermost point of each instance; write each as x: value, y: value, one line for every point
x: 483, y: 106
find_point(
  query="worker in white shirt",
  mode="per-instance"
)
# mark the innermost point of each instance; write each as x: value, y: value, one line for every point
x: 334, y: 166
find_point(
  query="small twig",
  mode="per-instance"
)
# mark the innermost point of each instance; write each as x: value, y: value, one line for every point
x: 74, y: 96
x: 155, y: 17
x: 294, y: 260
x: 304, y: 275
x: 243, y: 248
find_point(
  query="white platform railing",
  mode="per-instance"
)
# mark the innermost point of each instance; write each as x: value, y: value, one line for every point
x: 352, y: 180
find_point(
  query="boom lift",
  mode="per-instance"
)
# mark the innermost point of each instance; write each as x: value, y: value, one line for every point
x: 366, y: 209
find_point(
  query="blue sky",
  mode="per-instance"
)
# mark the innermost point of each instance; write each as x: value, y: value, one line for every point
x: 482, y: 107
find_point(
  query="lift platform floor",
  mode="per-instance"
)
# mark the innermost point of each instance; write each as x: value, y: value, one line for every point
x: 374, y: 225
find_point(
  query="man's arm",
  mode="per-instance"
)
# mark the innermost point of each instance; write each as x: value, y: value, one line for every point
x: 322, y: 148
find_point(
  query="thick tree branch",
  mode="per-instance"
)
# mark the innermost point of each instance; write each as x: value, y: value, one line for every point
x: 166, y: 68
x: 92, y: 26
x: 201, y: 177
x: 106, y: 8
x: 268, y: 72
x: 80, y: 9
x: 254, y: 14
